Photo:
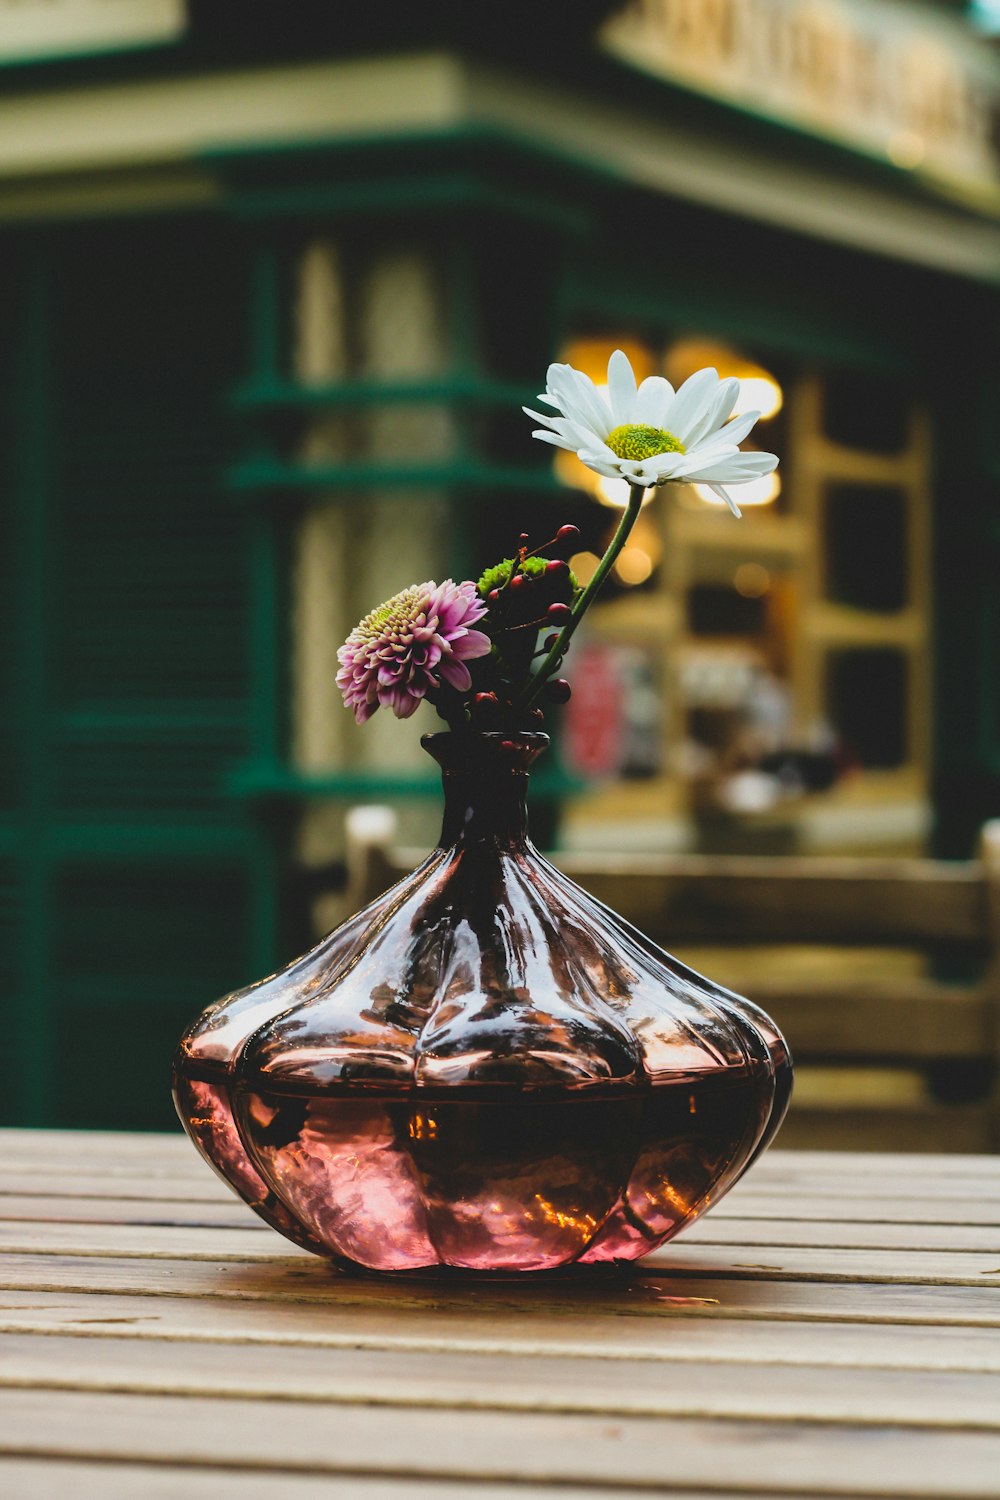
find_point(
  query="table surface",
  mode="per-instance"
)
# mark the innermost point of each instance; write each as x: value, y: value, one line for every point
x: 832, y: 1328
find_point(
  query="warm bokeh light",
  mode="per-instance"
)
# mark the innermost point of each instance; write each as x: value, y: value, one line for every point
x: 906, y: 149
x: 759, y: 390
x: 759, y: 393
x: 584, y: 565
x: 634, y: 566
x: 592, y: 355
x: 751, y: 580
x: 760, y: 491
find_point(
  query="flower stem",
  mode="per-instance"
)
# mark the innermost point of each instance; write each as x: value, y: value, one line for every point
x: 583, y: 603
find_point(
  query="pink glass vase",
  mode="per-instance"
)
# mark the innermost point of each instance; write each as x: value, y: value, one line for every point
x: 485, y: 1069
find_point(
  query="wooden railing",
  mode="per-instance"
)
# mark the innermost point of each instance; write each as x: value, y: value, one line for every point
x: 907, y: 1058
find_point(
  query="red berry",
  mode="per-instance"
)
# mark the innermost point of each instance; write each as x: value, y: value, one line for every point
x: 493, y: 596
x: 490, y: 698
x: 565, y: 532
x: 558, y: 613
x: 518, y: 581
x: 549, y: 642
x: 558, y: 690
x: 556, y: 567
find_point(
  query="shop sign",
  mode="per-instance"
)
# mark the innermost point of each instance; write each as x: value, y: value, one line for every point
x: 914, y: 86
x: 44, y: 29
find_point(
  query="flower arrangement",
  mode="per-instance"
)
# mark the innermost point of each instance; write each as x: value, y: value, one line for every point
x: 472, y: 649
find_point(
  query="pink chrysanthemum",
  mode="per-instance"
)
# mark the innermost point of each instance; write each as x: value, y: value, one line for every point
x: 411, y: 644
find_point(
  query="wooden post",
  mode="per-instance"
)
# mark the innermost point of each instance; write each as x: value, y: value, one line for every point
x: 989, y: 855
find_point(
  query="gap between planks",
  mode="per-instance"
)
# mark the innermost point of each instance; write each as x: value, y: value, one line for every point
x: 42, y: 1478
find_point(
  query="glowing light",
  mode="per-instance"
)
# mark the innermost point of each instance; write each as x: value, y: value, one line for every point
x: 634, y: 566
x: 906, y: 149
x: 751, y: 580
x: 755, y: 492
x: 759, y: 393
x: 614, y: 492
x: 584, y: 565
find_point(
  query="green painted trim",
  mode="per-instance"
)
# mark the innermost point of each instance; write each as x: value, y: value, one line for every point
x: 147, y: 841
x: 413, y: 194
x: 278, y: 395
x: 794, y: 331
x: 276, y: 781
x: 260, y: 476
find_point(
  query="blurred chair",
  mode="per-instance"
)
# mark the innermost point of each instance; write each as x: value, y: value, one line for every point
x: 884, y: 974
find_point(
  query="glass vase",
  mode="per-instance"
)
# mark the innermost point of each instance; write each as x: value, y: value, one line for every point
x: 485, y: 1069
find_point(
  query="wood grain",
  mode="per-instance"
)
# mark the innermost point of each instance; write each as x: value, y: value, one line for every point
x: 831, y: 1329
x: 541, y: 1448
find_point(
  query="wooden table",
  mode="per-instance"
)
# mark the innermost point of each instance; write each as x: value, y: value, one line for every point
x: 833, y: 1328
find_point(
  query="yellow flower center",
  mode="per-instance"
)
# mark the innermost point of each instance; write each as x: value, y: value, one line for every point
x: 636, y: 441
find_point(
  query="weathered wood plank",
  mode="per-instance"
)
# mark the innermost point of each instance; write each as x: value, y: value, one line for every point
x: 579, y: 1334
x: 762, y: 1458
x: 684, y: 1291
x: 980, y: 1268
x: 215, y: 1213
x: 42, y: 1479
x: 506, y: 1382
x: 839, y: 1234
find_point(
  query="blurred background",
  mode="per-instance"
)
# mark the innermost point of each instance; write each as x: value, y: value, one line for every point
x: 275, y: 282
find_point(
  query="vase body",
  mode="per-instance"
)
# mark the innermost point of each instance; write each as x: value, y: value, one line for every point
x: 485, y: 1069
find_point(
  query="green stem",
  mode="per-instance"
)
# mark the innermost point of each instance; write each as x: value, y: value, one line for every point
x: 607, y: 562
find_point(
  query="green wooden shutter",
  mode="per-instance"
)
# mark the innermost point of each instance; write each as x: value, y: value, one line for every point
x: 138, y: 871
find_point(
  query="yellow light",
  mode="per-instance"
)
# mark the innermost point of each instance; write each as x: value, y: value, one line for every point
x: 751, y: 580
x: 906, y: 149
x: 584, y: 565
x: 753, y: 492
x: 634, y: 566
x: 615, y: 492
x: 759, y: 393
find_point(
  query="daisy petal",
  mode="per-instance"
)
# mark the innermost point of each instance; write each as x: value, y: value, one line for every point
x: 579, y: 399
x: 652, y: 399
x: 736, y: 430
x: 735, y: 470
x: 621, y: 388
x: 684, y: 410
x: 725, y: 496
x: 554, y: 439
x: 715, y: 412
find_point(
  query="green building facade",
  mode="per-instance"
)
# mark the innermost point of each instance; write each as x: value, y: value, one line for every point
x: 273, y: 292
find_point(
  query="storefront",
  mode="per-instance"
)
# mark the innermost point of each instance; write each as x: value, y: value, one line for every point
x: 273, y: 295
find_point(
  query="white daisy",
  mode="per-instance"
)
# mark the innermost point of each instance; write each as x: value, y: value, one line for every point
x: 652, y: 434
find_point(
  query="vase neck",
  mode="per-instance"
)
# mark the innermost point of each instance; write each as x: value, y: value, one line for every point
x: 485, y: 780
